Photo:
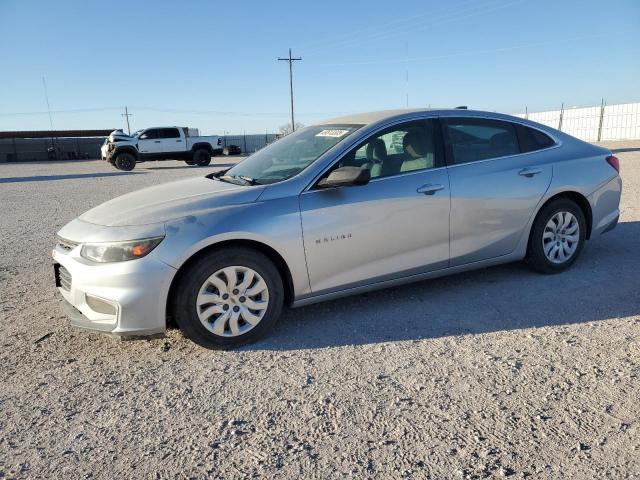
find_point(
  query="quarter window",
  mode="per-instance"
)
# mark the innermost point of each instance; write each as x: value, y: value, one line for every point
x: 473, y: 139
x: 532, y: 139
x: 407, y: 147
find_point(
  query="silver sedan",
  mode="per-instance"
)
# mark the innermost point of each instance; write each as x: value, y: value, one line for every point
x: 349, y: 205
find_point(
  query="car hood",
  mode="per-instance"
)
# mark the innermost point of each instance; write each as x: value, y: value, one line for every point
x: 120, y: 136
x: 169, y: 201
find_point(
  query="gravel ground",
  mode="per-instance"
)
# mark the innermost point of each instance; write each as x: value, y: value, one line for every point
x: 499, y: 372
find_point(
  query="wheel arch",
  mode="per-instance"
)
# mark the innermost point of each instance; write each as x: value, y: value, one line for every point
x: 204, y: 145
x: 579, y: 199
x: 127, y: 149
x: 266, y: 250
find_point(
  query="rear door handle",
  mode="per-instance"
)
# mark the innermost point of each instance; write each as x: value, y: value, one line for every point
x: 430, y: 189
x: 156, y: 141
x: 529, y: 172
x: 178, y: 140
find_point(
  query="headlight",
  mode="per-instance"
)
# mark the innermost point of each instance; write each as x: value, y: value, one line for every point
x: 119, y: 251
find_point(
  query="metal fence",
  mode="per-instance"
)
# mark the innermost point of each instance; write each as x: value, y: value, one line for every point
x: 593, y: 124
x: 33, y: 149
x: 37, y: 149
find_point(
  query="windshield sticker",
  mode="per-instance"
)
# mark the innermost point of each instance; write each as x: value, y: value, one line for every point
x: 332, y: 133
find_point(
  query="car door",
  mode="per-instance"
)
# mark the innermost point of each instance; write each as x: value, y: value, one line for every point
x: 170, y: 140
x: 495, y: 187
x: 396, y: 225
x: 149, y: 143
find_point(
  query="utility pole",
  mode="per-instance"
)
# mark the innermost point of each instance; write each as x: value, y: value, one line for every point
x: 290, y: 59
x: 54, y: 143
x: 126, y: 115
x: 46, y: 96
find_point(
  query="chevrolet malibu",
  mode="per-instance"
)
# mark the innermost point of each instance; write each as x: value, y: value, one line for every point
x: 339, y: 208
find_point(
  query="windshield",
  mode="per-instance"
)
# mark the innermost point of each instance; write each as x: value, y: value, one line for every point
x: 137, y: 133
x: 290, y: 155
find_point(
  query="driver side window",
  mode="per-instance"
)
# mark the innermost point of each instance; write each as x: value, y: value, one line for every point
x: 149, y: 134
x: 406, y: 147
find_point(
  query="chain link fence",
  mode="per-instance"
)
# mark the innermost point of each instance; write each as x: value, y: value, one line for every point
x: 250, y: 143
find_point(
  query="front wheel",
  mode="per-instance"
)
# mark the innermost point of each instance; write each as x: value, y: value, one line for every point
x: 202, y: 157
x: 228, y: 298
x: 125, y: 161
x: 557, y: 236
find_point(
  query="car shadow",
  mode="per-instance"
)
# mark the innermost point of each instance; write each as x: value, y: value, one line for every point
x: 71, y: 176
x: 602, y: 285
x: 624, y: 150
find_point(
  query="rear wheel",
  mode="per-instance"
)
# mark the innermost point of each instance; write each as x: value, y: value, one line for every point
x: 228, y: 298
x: 557, y: 236
x: 125, y: 161
x: 201, y: 157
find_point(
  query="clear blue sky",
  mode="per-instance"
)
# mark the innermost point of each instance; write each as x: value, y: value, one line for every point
x: 213, y: 65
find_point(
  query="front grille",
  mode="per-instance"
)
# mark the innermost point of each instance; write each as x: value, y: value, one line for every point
x: 66, y: 245
x: 63, y: 277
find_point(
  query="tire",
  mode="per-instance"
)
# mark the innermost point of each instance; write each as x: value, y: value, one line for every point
x: 201, y: 157
x: 189, y: 162
x: 125, y: 161
x: 192, y: 310
x: 556, y: 223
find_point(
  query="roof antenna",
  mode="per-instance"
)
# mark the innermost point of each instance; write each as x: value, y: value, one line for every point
x: 461, y: 107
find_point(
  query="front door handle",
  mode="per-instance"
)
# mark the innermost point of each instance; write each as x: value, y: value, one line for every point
x: 430, y: 189
x: 156, y: 141
x: 529, y: 172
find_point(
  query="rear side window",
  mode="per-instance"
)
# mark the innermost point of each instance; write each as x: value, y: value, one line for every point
x: 474, y: 139
x: 169, y: 133
x: 532, y: 139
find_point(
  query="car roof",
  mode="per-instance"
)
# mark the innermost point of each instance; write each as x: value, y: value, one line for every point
x: 369, y: 118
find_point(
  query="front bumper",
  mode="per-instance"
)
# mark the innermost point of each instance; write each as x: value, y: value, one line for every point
x: 123, y: 298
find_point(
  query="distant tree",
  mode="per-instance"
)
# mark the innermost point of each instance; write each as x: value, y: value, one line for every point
x: 286, y: 128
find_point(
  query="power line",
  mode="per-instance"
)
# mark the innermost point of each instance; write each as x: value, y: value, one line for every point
x: 375, y: 29
x: 465, y: 53
x: 290, y: 59
x: 452, y: 16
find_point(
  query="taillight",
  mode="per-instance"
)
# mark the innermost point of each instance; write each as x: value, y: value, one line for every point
x: 614, y: 162
x: 219, y: 141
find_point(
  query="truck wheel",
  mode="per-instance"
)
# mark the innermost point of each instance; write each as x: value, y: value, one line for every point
x: 201, y: 157
x: 189, y: 162
x: 227, y: 298
x: 125, y: 161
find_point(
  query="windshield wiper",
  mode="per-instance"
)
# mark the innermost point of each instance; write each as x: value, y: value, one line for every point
x: 244, y: 179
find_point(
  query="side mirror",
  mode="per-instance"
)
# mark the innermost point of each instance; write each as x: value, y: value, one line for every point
x: 346, y: 177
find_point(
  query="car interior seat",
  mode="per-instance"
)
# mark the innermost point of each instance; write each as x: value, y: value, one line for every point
x: 376, y: 156
x: 419, y: 151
